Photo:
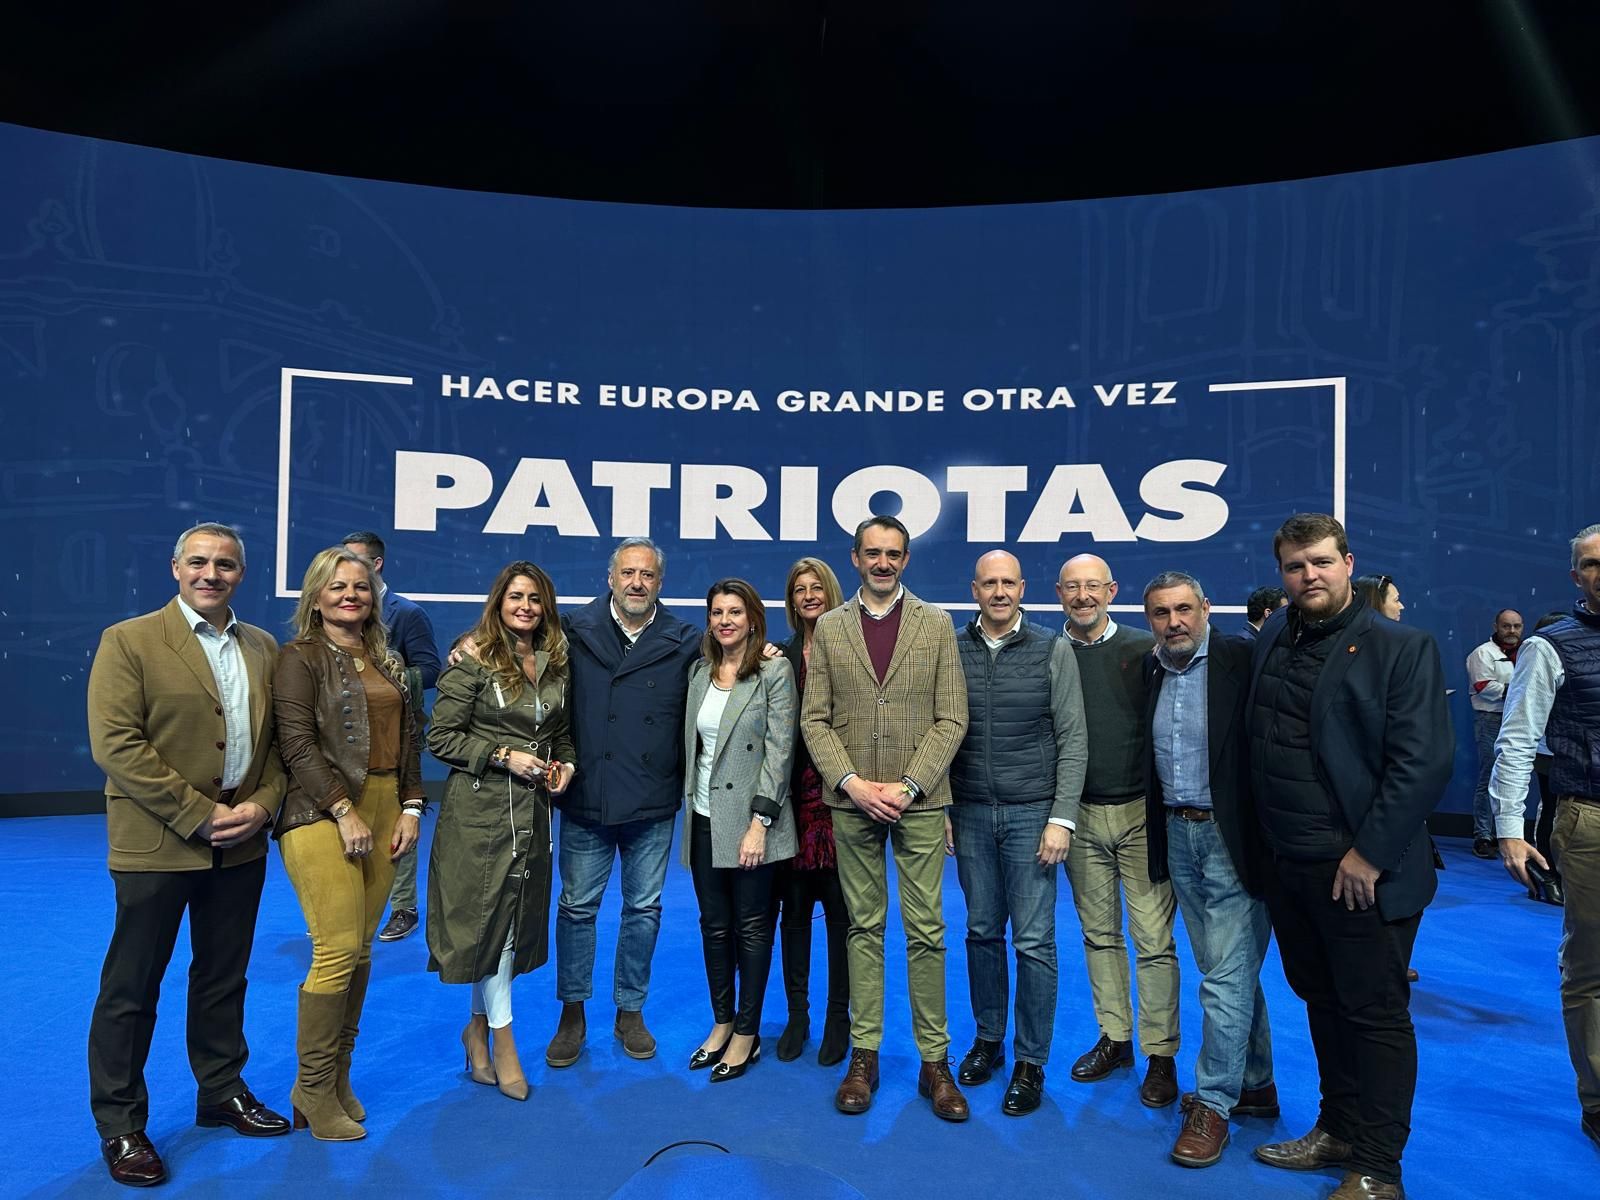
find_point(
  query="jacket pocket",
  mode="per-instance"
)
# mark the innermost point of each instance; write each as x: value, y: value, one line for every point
x: 131, y: 830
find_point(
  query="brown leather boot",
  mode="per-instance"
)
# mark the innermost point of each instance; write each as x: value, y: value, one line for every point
x: 938, y: 1085
x: 567, y: 1044
x: 860, y: 1081
x: 1104, y: 1057
x: 637, y: 1041
x: 1202, y: 1137
x: 1315, y: 1150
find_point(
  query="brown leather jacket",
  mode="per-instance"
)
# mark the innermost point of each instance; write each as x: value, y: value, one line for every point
x: 321, y: 714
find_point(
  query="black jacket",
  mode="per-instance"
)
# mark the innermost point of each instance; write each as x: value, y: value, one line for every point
x: 1227, y: 686
x: 1383, y: 745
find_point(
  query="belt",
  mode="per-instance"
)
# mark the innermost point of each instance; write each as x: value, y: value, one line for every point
x: 1191, y: 814
x: 1595, y: 800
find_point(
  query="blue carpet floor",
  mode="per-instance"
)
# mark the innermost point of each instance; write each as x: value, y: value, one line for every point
x: 1495, y: 1115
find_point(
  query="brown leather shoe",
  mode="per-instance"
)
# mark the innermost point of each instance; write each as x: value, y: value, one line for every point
x: 567, y: 1043
x: 938, y: 1085
x: 1315, y: 1150
x: 1104, y: 1058
x: 1160, y: 1086
x: 1202, y: 1137
x: 1365, y: 1187
x: 1253, y: 1102
x: 860, y: 1081
x: 637, y: 1041
x: 133, y: 1160
x: 244, y: 1114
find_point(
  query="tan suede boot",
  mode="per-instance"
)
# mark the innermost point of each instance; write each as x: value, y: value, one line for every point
x: 315, y: 1098
x: 354, y: 1000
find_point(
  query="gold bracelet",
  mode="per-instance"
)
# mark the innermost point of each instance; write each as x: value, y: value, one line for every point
x: 341, y: 809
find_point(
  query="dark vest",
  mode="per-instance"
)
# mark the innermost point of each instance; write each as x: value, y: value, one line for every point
x: 1009, y: 753
x: 1573, y: 731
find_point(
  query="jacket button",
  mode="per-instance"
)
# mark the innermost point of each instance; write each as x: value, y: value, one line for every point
x: 616, y: 683
x: 612, y: 717
x: 222, y: 745
x: 644, y: 757
x: 217, y: 779
x: 649, y: 720
x: 650, y: 683
x: 750, y: 746
x: 874, y: 737
x: 346, y: 695
x: 219, y: 710
x: 346, y: 708
x: 351, y: 738
x: 608, y: 756
x: 729, y: 786
x: 349, y: 725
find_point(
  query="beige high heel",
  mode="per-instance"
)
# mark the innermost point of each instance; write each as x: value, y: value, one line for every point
x: 475, y: 1041
x: 507, y: 1066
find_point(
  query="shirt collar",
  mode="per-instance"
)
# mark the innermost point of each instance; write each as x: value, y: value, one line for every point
x: 630, y: 634
x: 1199, y: 655
x: 196, y: 620
x: 994, y: 642
x: 1109, y: 632
x: 899, y: 595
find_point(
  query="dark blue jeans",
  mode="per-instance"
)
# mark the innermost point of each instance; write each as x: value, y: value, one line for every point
x: 587, y: 853
x: 996, y: 859
x: 1228, y: 929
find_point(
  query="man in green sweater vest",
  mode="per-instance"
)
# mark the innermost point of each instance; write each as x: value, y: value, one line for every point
x: 1109, y: 858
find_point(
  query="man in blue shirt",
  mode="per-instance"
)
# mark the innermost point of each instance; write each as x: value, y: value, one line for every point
x: 1203, y: 835
x: 411, y: 635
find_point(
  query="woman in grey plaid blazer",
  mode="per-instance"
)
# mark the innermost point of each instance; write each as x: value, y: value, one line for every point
x: 738, y: 741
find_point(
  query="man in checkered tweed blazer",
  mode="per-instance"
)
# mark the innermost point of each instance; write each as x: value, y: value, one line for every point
x: 885, y: 708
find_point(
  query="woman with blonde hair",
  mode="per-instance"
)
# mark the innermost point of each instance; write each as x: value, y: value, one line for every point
x: 349, y: 741
x: 502, y: 722
x: 812, y: 876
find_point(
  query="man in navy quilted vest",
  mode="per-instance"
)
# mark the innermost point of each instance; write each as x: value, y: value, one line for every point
x: 1016, y: 781
x: 1555, y: 692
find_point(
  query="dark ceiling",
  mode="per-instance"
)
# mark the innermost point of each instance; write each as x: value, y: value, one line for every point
x: 813, y: 103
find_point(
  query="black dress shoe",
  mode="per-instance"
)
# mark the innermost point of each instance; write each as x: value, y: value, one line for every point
x: 133, y: 1160
x: 981, y: 1062
x: 703, y: 1058
x: 723, y: 1071
x: 1025, y: 1090
x: 1105, y: 1058
x: 402, y: 923
x: 244, y: 1114
x: 1590, y: 1124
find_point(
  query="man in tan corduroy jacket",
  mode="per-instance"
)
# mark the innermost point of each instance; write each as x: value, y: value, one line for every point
x: 885, y: 708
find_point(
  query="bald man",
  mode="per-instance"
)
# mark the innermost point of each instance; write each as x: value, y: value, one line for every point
x: 1016, y: 781
x: 1109, y: 860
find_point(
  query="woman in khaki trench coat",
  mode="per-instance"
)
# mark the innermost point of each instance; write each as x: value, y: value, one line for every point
x: 502, y: 722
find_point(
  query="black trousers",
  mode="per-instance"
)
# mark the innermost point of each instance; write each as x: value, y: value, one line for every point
x: 1350, y: 969
x: 798, y: 893
x: 222, y: 905
x: 735, y: 931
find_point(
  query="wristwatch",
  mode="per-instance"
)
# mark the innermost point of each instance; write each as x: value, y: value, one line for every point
x: 765, y: 820
x: 341, y: 808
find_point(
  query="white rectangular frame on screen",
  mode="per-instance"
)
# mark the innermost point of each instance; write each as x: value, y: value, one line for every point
x: 285, y: 418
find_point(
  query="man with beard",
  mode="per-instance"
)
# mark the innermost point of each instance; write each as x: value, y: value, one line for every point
x: 885, y: 707
x: 630, y: 662
x: 1350, y: 749
x: 1488, y: 675
x: 1205, y: 838
x: 1110, y: 856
